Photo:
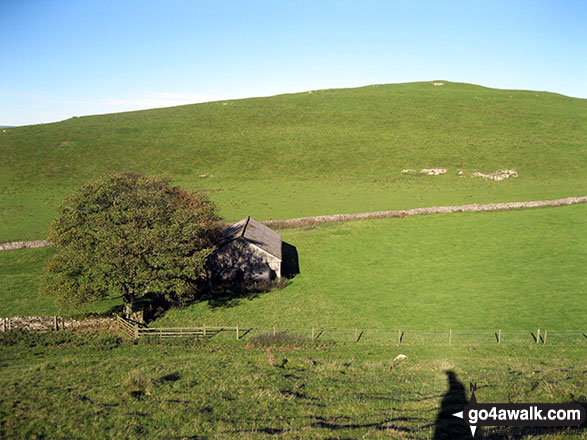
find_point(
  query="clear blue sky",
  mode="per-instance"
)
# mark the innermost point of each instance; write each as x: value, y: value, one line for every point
x: 64, y: 58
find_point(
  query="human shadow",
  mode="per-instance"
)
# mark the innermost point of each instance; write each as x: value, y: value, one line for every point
x: 447, y: 426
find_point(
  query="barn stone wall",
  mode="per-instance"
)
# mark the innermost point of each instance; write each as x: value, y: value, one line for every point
x: 241, y: 259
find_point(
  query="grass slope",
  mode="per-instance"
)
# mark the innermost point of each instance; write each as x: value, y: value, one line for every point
x: 20, y: 273
x: 516, y: 270
x: 65, y: 386
x: 324, y: 152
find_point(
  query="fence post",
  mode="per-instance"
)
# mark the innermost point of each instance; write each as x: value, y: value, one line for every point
x: 545, y: 334
x: 449, y: 337
x: 237, y: 335
x: 204, y: 330
x: 399, y: 336
x: 538, y: 336
x: 136, y: 331
x: 274, y: 332
x: 499, y: 337
x: 55, y: 326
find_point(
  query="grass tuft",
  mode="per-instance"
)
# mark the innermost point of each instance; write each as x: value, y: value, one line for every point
x: 138, y: 383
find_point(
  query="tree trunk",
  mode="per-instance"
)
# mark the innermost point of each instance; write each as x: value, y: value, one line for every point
x: 127, y: 310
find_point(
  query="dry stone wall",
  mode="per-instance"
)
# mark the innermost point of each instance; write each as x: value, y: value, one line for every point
x: 23, y: 245
x: 305, y: 221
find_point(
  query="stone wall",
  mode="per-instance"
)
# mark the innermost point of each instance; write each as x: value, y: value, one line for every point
x: 305, y: 221
x: 50, y: 322
x: 23, y: 245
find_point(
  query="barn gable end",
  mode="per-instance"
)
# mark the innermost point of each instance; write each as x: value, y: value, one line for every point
x: 249, y: 251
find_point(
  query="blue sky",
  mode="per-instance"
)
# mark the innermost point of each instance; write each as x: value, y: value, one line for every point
x: 60, y: 59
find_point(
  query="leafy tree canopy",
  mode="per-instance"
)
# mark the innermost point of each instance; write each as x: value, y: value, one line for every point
x: 131, y: 235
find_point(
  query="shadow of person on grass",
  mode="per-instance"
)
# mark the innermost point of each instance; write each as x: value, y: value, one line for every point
x: 447, y: 426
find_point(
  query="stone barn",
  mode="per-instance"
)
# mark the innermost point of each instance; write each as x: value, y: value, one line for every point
x: 251, y: 251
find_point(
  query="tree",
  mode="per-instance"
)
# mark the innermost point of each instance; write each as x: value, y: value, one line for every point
x: 131, y: 235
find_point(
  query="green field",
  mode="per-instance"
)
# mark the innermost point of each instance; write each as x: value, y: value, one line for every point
x: 331, y: 151
x: 516, y: 270
x: 64, y: 386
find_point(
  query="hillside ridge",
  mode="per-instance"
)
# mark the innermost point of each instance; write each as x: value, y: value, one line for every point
x: 309, y: 154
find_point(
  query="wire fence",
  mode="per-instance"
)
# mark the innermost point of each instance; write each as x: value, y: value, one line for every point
x: 419, y: 337
x: 318, y: 334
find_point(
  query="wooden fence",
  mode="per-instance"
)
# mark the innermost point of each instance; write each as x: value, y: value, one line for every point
x: 397, y: 337
x: 135, y: 330
x: 129, y: 328
x: 376, y: 336
x: 434, y: 337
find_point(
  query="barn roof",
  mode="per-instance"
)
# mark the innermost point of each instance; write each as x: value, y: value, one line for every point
x: 256, y: 233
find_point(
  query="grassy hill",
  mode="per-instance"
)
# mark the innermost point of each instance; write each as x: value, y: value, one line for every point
x: 515, y: 270
x: 329, y: 151
x: 323, y: 152
x: 343, y: 151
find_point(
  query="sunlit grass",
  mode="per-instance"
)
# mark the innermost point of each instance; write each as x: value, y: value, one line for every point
x: 334, y: 151
x: 230, y: 390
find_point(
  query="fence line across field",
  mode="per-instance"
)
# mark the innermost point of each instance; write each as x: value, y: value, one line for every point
x: 417, y: 336
x: 393, y: 336
x: 357, y: 335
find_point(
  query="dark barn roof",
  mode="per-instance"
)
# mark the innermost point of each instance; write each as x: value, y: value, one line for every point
x: 256, y: 233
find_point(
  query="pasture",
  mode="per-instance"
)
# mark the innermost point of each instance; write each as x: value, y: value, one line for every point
x: 325, y: 152
x: 64, y: 385
x: 516, y: 270
x: 331, y: 151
